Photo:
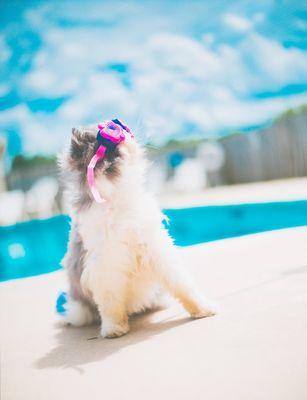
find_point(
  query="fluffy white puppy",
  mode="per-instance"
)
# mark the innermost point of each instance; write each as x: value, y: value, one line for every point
x: 120, y: 258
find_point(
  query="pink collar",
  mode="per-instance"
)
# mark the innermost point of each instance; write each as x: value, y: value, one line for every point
x: 110, y: 134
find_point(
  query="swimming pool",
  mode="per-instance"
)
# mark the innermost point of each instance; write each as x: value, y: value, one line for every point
x: 36, y: 247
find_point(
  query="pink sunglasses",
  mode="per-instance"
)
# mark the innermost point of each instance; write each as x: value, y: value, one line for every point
x: 110, y: 134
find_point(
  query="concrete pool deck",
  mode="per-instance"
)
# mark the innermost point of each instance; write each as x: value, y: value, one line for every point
x: 256, y: 192
x: 254, y: 349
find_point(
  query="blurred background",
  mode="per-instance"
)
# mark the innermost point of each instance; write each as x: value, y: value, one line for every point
x: 215, y: 90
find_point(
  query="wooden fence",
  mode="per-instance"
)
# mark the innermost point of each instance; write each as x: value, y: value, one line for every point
x: 275, y: 152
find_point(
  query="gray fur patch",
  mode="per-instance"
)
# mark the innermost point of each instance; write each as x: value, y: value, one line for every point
x: 74, y: 166
x: 74, y: 265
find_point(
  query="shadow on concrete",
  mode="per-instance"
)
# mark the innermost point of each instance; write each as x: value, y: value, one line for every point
x: 80, y: 346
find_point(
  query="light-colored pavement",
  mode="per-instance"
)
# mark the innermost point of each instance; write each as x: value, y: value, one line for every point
x: 257, y: 192
x: 255, y: 349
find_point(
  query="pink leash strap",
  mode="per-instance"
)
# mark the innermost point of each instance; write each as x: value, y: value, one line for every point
x: 90, y: 173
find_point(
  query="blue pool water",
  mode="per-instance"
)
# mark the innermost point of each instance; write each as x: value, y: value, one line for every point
x: 37, y: 246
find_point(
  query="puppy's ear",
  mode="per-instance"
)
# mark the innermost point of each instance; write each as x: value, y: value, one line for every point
x: 77, y: 145
x: 82, y: 147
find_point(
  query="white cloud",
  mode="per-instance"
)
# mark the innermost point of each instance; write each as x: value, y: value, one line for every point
x: 4, y: 89
x: 45, y: 82
x: 301, y: 24
x: 102, y: 94
x: 237, y: 22
x: 259, y: 17
x: 177, y: 81
x: 208, y: 38
x: 40, y: 133
x: 5, y: 52
x: 270, y: 65
x: 238, y: 113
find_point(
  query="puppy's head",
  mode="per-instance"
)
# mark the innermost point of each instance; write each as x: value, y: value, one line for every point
x: 119, y: 162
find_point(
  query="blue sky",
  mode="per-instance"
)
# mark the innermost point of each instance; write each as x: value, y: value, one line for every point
x: 167, y: 68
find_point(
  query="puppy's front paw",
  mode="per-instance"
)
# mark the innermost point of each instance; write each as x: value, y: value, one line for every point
x: 205, y: 309
x: 109, y: 330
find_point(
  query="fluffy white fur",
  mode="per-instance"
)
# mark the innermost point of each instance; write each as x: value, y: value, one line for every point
x: 79, y: 314
x: 130, y: 258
